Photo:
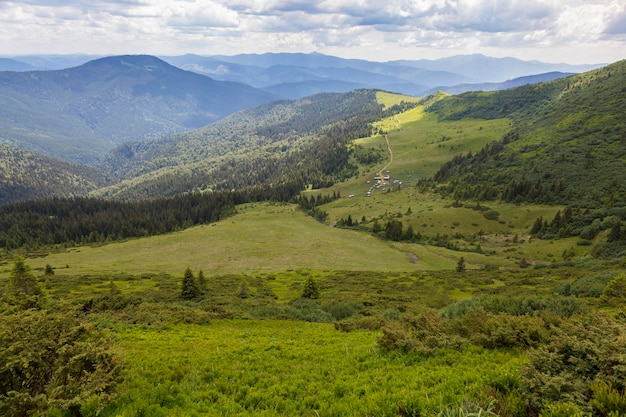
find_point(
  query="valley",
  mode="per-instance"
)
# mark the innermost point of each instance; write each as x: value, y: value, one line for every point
x: 256, y: 266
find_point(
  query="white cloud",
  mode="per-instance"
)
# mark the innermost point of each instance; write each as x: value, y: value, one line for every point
x: 350, y: 26
x: 205, y: 14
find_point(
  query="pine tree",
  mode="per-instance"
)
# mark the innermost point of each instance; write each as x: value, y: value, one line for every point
x: 310, y: 289
x: 190, y: 289
x: 242, y: 292
x: 24, y: 289
x: 202, y: 284
x: 460, y: 266
x: 409, y: 234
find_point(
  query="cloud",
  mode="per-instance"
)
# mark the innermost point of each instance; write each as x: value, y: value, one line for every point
x: 220, y: 26
x: 205, y: 14
x: 617, y: 23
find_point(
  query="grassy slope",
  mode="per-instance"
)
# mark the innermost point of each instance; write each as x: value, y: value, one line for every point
x: 295, y: 368
x: 262, y: 238
x: 286, y: 369
x: 415, y: 141
x: 570, y: 130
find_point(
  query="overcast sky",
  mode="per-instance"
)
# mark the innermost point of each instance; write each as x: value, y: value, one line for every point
x: 571, y: 31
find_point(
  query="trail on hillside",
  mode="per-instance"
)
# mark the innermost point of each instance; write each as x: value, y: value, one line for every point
x: 380, y: 173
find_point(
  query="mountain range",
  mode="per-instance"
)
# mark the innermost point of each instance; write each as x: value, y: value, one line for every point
x: 80, y: 113
x: 147, y: 128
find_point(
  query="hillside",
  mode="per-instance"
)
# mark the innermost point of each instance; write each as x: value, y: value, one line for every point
x: 567, y: 146
x: 25, y: 175
x: 405, y: 280
x: 80, y: 113
x: 300, y: 142
x: 505, y: 85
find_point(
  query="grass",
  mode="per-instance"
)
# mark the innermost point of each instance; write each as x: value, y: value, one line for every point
x: 267, y: 368
x: 261, y: 238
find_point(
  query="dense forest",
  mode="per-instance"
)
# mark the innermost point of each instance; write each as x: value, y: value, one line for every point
x: 305, y: 141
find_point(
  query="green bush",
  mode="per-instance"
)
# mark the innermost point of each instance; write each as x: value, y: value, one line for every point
x: 580, y: 351
x: 561, y: 410
x: 588, y: 286
x: 342, y: 310
x: 607, y: 401
x: 54, y: 361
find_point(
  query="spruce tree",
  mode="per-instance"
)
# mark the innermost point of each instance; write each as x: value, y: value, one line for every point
x: 310, y: 289
x: 460, y: 266
x: 190, y: 289
x: 201, y: 282
x: 24, y: 289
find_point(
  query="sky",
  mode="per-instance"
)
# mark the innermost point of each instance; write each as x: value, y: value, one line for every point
x: 557, y: 31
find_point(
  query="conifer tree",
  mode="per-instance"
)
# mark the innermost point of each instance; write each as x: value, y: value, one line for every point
x: 460, y: 265
x: 24, y: 289
x: 190, y: 289
x: 201, y: 282
x: 310, y: 289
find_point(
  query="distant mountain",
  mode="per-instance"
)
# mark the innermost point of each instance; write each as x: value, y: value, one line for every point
x: 8, y: 64
x: 26, y: 176
x: 488, y: 69
x: 296, y: 90
x: 268, y: 71
x: 54, y: 62
x: 80, y: 113
x: 517, y: 82
x: 303, y: 73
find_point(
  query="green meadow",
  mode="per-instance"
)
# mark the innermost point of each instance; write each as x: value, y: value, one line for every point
x: 449, y: 324
x: 269, y: 368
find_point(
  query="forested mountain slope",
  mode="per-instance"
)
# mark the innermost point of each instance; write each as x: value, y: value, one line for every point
x: 80, y: 113
x: 27, y: 176
x: 303, y: 142
x: 569, y: 144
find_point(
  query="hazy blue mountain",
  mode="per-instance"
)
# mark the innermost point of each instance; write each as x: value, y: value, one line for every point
x: 489, y: 69
x: 9, y: 64
x: 268, y: 71
x: 413, y: 77
x: 55, y: 62
x: 297, y: 90
x: 80, y: 113
x: 517, y: 82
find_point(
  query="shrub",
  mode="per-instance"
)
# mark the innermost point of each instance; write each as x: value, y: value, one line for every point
x: 615, y: 288
x: 587, y: 286
x: 561, y: 410
x: 607, y: 401
x: 342, y: 310
x: 581, y: 350
x: 53, y: 361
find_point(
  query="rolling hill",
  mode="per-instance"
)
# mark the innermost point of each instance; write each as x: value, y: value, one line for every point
x: 568, y: 145
x: 80, y: 113
x: 26, y: 176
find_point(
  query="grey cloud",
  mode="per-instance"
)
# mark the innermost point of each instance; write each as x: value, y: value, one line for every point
x: 617, y: 25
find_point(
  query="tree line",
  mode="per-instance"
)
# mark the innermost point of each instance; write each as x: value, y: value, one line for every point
x: 72, y: 221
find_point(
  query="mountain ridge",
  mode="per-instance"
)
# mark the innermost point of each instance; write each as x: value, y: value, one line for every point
x: 87, y: 110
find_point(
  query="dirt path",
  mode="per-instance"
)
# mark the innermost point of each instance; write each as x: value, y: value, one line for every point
x: 380, y: 173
